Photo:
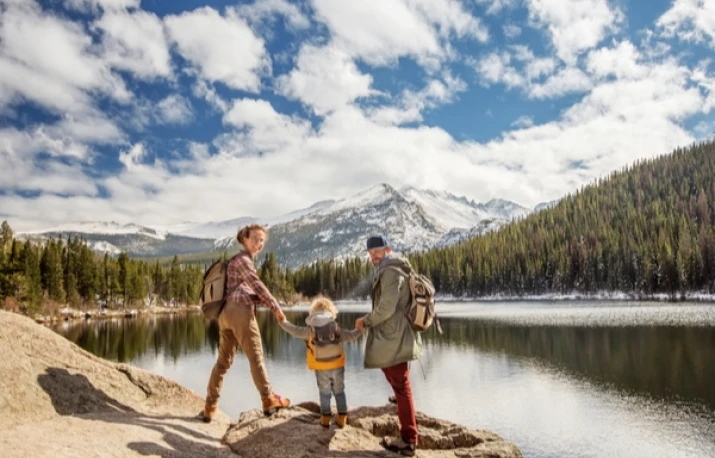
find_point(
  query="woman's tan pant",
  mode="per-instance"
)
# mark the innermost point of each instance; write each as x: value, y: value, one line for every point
x: 238, y: 326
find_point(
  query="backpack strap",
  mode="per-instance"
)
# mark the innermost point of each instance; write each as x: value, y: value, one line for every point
x: 400, y: 271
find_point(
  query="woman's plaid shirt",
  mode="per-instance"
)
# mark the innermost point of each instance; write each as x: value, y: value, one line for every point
x: 243, y: 284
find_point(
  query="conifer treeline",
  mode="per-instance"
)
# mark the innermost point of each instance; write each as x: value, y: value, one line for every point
x: 59, y: 272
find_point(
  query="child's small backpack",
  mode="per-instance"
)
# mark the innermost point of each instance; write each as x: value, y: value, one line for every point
x: 326, y: 341
x: 421, y: 313
x: 212, y: 297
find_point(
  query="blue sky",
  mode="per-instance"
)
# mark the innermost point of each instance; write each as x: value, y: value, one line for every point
x: 158, y: 112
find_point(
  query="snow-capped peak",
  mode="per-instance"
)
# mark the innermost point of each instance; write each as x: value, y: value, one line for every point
x: 103, y: 227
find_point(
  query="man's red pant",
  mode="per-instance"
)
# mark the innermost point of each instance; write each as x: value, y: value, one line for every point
x: 399, y: 378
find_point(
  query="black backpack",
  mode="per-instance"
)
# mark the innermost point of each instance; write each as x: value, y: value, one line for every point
x: 326, y: 341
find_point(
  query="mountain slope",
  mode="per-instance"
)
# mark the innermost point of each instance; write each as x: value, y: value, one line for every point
x: 413, y: 219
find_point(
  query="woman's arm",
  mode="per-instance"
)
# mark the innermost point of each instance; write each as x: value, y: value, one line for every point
x: 247, y: 270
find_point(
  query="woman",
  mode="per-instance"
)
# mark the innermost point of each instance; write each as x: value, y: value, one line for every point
x: 238, y: 325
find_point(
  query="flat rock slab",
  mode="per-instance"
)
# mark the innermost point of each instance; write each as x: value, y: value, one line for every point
x: 296, y: 432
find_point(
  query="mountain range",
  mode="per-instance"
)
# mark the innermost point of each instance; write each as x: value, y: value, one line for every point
x: 413, y: 219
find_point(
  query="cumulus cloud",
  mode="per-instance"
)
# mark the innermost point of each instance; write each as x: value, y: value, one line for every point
x: 220, y: 47
x: 174, y: 109
x: 135, y: 42
x: 380, y: 31
x: 574, y: 26
x: 324, y: 78
x: 268, y: 10
x: 690, y: 20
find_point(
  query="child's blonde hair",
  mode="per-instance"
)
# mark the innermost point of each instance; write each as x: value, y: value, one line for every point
x: 323, y: 304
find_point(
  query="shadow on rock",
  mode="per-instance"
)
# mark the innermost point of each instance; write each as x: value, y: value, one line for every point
x: 75, y: 395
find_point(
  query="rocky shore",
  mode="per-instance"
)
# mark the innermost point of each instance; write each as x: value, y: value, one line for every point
x: 59, y: 400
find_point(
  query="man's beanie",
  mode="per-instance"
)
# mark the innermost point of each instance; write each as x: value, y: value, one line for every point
x: 377, y: 241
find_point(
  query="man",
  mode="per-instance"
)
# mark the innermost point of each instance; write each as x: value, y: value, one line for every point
x: 391, y: 342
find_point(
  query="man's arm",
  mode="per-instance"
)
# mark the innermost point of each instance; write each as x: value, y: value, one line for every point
x: 389, y: 296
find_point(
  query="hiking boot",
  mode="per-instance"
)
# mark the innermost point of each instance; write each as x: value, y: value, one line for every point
x: 274, y: 402
x: 392, y: 399
x: 398, y: 445
x: 341, y: 420
x: 208, y: 413
x: 325, y: 420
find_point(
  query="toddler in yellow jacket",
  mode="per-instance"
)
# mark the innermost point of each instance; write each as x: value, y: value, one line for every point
x: 325, y: 356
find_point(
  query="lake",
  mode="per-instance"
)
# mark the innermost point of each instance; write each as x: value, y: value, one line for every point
x: 560, y: 379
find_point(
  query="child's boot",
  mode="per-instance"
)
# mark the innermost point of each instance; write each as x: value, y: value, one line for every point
x: 325, y: 420
x: 341, y: 420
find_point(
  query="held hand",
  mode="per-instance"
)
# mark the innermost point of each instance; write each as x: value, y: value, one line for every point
x: 360, y: 324
x: 280, y: 316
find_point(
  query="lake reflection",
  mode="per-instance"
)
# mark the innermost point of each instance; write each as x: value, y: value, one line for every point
x: 558, y: 379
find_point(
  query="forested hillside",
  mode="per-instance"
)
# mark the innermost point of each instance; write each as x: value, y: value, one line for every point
x: 646, y: 229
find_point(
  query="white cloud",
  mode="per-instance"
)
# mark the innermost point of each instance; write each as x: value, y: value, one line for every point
x: 222, y: 48
x: 511, y: 30
x: 690, y: 20
x: 450, y: 18
x: 135, y: 42
x: 496, y: 68
x: 263, y: 130
x: 437, y: 91
x: 523, y: 121
x: 565, y: 81
x: 107, y: 5
x: 203, y: 90
x: 621, y: 62
x: 133, y: 157
x: 706, y: 82
x: 381, y: 31
x: 174, y: 109
x: 574, y: 25
x: 50, y: 61
x: 324, y: 78
x: 497, y: 6
x: 267, y: 10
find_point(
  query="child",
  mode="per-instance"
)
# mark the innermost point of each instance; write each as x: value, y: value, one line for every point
x: 325, y: 354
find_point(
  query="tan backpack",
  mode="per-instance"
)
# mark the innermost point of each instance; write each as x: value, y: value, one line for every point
x: 213, y: 293
x: 421, y: 313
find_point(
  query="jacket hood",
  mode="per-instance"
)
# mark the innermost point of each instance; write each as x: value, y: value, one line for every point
x: 395, y: 260
x: 320, y: 318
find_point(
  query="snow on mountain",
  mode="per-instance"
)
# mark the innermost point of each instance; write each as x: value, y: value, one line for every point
x: 413, y: 219
x: 223, y: 230
x: 545, y: 205
x: 102, y: 227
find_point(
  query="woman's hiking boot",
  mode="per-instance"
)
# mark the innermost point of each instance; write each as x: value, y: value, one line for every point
x: 341, y: 420
x: 208, y: 413
x: 274, y: 402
